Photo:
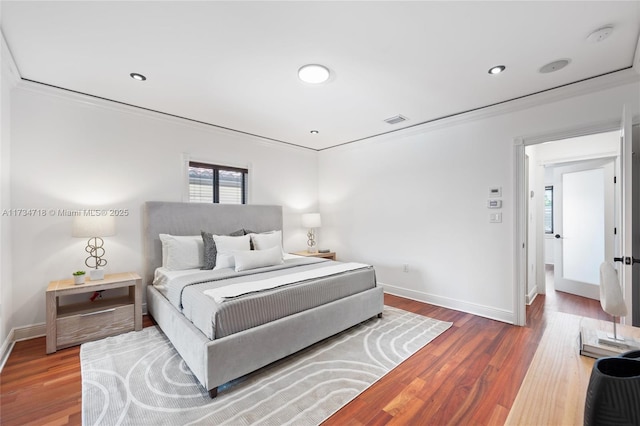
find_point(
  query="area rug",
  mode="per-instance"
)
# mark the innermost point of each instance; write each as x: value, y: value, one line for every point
x: 139, y: 379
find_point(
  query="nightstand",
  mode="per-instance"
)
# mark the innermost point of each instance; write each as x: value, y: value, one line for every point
x: 72, y: 324
x: 331, y: 255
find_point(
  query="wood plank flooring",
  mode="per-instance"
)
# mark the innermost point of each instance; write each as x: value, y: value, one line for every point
x: 468, y: 375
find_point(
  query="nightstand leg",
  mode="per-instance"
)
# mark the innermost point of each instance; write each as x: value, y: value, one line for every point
x: 137, y: 309
x: 52, y: 315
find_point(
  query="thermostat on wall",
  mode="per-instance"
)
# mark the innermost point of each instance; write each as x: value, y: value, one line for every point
x: 495, y: 192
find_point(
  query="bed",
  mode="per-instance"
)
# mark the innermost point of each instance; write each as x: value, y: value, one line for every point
x: 230, y: 346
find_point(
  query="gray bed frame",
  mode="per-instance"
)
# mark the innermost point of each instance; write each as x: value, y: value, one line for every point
x: 215, y: 362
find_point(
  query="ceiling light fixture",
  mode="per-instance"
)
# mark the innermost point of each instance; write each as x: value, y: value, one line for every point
x: 497, y: 69
x: 313, y: 73
x: 314, y: 132
x: 138, y: 77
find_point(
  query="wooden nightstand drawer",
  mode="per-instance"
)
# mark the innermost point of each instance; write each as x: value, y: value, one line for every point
x: 80, y: 328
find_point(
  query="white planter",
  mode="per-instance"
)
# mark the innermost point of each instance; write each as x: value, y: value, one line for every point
x: 78, y: 279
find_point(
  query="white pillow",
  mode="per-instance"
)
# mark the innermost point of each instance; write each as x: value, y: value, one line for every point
x: 226, y: 246
x: 267, y: 240
x: 251, y: 259
x: 182, y: 252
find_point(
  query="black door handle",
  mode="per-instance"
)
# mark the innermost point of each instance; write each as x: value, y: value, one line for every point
x: 557, y: 236
x: 626, y: 260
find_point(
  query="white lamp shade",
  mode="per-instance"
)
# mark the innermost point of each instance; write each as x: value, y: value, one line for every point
x: 93, y: 226
x: 311, y: 220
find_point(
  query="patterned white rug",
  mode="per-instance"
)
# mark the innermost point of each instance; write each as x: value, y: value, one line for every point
x: 139, y: 379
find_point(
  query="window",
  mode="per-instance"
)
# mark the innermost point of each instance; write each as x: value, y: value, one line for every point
x: 209, y: 183
x: 548, y: 209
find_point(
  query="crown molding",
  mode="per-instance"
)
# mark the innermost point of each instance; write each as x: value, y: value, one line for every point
x: 119, y: 107
x: 627, y: 76
x: 596, y: 84
x: 8, y: 63
x: 636, y: 57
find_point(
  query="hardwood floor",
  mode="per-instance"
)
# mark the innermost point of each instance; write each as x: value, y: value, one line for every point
x: 468, y: 375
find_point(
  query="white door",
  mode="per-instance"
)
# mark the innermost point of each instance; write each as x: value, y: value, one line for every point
x: 584, y: 229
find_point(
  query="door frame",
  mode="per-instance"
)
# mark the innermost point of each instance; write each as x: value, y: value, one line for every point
x: 520, y: 203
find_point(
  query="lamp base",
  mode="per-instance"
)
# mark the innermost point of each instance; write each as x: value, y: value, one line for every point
x: 311, y: 241
x: 617, y: 341
x: 96, y: 274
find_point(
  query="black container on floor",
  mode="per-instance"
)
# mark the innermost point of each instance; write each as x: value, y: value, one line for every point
x: 613, y: 395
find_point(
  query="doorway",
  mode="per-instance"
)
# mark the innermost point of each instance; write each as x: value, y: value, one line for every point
x: 570, y: 217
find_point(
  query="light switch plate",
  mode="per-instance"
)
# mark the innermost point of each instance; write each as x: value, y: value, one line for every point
x: 495, y: 217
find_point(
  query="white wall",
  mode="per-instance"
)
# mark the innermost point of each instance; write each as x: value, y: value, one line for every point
x: 72, y: 152
x: 8, y: 77
x: 419, y: 197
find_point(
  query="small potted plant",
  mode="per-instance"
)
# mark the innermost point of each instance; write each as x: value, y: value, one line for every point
x: 78, y: 277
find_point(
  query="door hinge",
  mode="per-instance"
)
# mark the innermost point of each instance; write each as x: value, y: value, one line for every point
x: 615, y: 179
x: 615, y: 231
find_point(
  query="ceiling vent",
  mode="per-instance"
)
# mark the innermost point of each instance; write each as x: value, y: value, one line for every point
x: 395, y: 120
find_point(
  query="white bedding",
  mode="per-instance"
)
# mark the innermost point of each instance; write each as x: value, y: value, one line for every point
x: 163, y: 276
x: 221, y: 294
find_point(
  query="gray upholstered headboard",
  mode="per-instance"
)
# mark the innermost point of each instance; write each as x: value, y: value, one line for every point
x: 161, y: 217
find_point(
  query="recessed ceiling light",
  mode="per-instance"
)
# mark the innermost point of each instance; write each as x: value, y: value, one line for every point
x: 554, y: 66
x: 600, y: 34
x: 136, y: 76
x: 497, y: 69
x: 313, y: 73
x: 314, y: 132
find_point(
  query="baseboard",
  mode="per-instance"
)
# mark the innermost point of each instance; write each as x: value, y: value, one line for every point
x: 18, y: 334
x: 445, y: 302
x: 29, y: 332
x: 531, y: 296
x: 5, y: 349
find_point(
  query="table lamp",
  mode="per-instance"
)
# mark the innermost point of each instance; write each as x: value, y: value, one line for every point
x: 612, y: 302
x: 94, y: 228
x: 311, y: 221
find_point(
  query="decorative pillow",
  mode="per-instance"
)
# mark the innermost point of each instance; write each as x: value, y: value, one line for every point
x: 252, y: 259
x: 226, y: 246
x: 267, y: 240
x: 210, y: 251
x: 182, y: 252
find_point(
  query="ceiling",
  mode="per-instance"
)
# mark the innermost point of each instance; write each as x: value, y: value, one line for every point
x: 234, y: 64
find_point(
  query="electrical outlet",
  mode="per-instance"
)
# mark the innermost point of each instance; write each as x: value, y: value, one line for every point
x: 405, y: 267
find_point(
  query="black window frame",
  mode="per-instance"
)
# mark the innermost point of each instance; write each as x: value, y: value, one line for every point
x: 215, y: 168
